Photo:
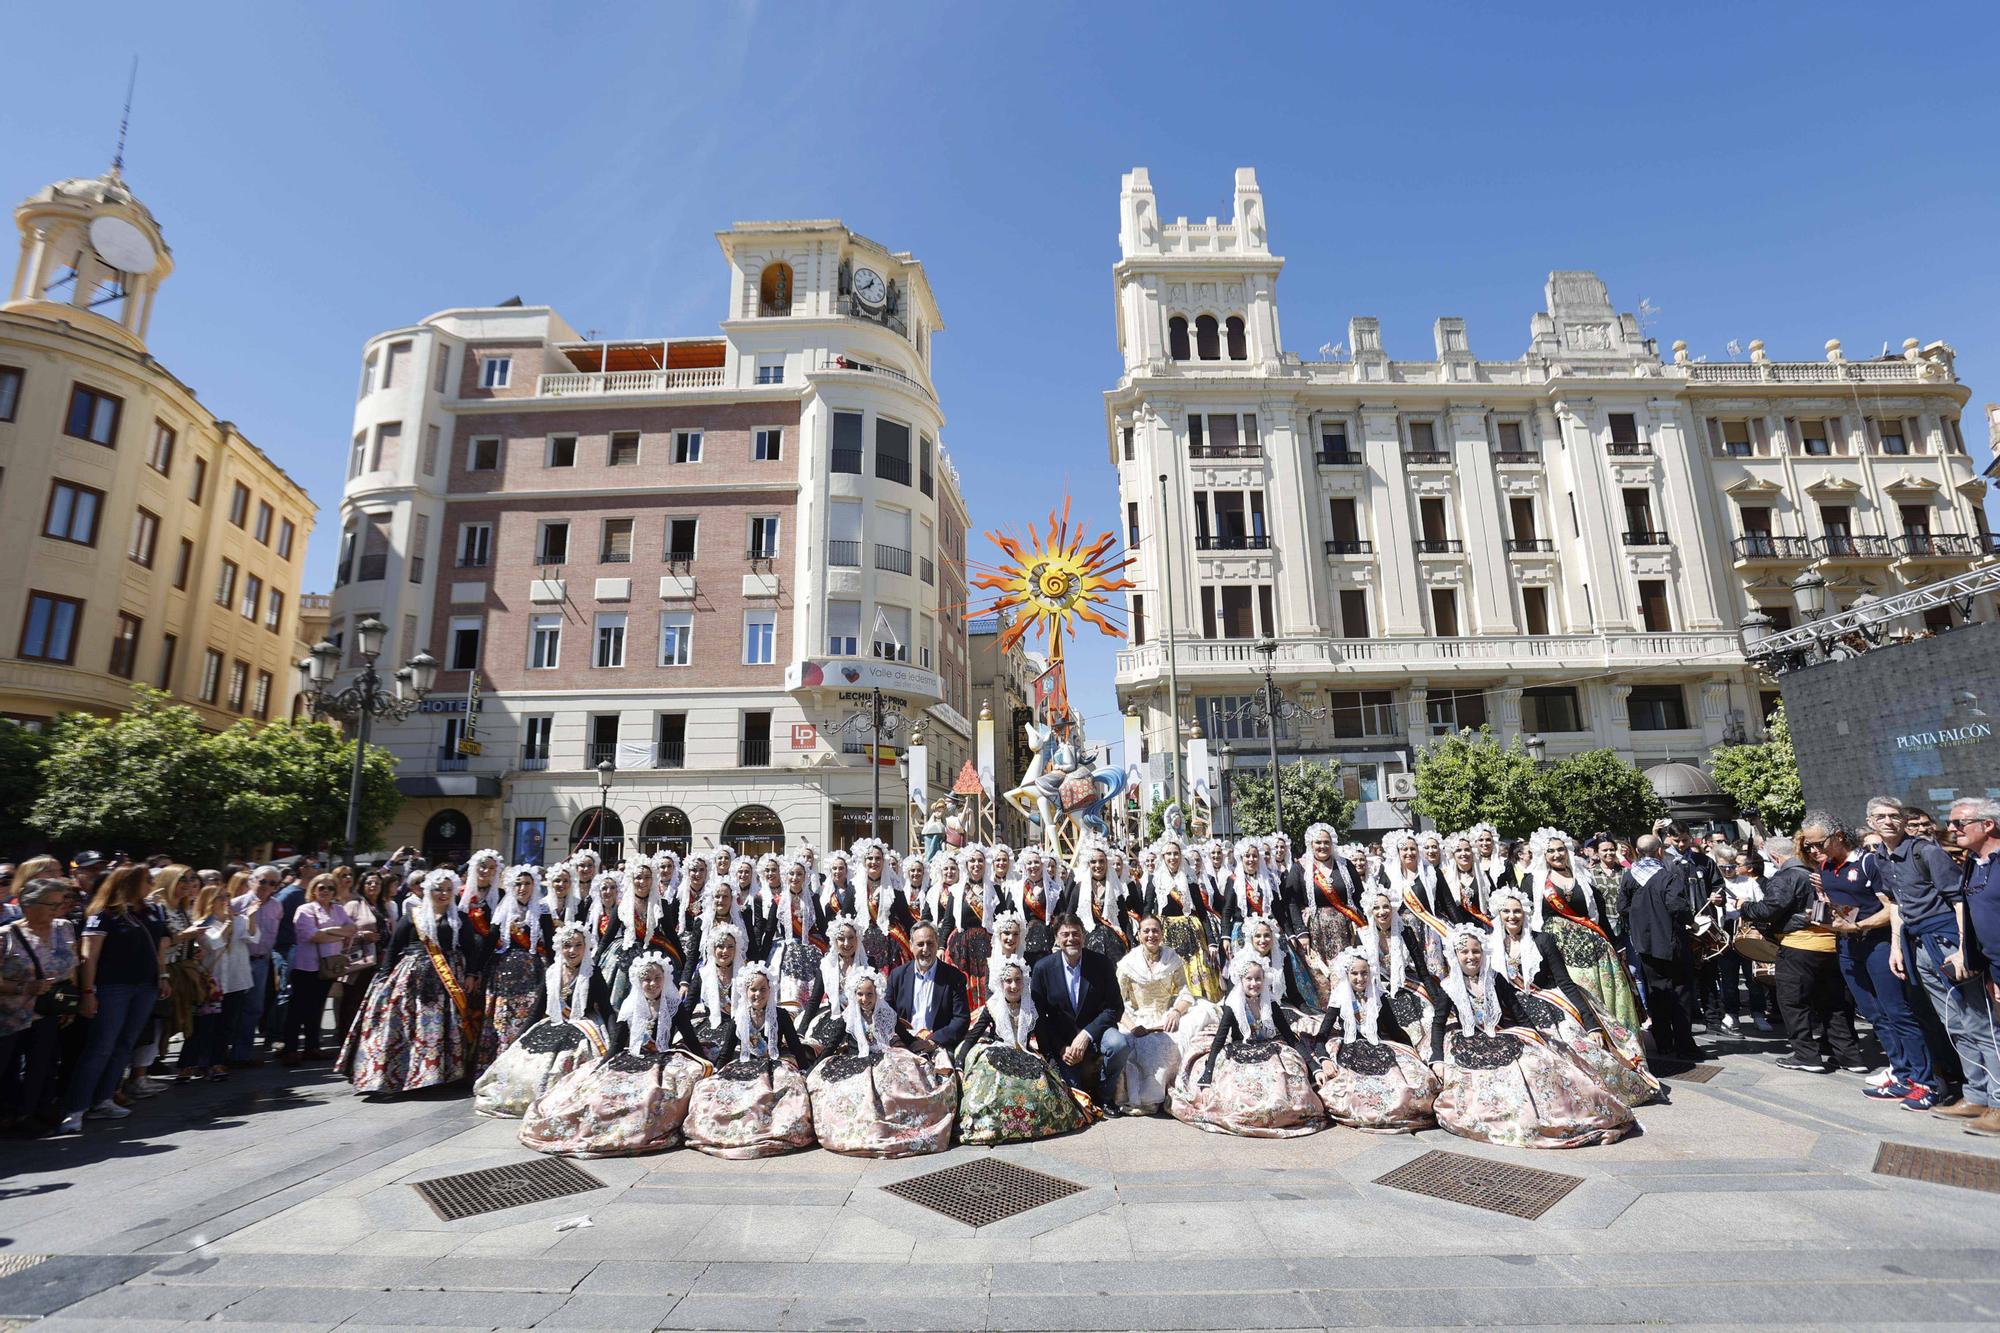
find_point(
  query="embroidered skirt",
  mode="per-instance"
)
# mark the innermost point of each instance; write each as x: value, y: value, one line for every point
x: 1515, y: 1090
x: 1261, y: 1090
x: 750, y: 1108
x: 1379, y: 1086
x: 969, y: 950
x: 894, y: 1103
x: 1327, y: 935
x: 1151, y: 1064
x: 544, y: 1054
x: 1187, y: 937
x: 1011, y: 1096
x: 797, y: 964
x: 514, y: 999
x: 408, y: 1034
x: 614, y: 1107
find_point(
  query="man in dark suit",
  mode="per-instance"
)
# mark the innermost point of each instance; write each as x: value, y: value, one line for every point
x: 929, y: 994
x: 1077, y: 1008
x: 1655, y: 903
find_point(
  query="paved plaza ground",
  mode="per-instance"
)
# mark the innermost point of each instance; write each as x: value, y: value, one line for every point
x: 280, y: 1200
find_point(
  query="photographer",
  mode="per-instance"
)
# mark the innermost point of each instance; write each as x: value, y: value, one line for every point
x: 1813, y: 1001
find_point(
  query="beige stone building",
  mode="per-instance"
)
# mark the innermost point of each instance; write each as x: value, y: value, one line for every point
x: 147, y: 541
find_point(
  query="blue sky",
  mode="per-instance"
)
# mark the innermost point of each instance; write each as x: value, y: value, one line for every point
x: 327, y: 171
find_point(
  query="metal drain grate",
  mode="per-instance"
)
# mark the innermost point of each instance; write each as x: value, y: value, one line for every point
x: 1683, y: 1071
x: 1936, y: 1166
x: 488, y: 1191
x: 983, y: 1192
x: 11, y: 1264
x: 1499, y: 1187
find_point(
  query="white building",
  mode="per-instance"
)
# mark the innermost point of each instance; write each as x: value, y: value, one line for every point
x: 1559, y: 545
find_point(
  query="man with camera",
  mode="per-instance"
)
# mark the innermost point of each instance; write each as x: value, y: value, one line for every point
x: 1813, y: 1000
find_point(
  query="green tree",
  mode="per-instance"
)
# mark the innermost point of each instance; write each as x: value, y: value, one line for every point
x: 1595, y: 791
x: 288, y: 782
x: 1764, y: 778
x: 21, y: 755
x: 1469, y: 778
x: 1312, y: 795
x: 144, y: 781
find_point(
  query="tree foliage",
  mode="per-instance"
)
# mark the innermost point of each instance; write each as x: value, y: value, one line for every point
x: 1764, y: 778
x: 1595, y: 791
x: 21, y: 754
x: 1468, y: 778
x: 1312, y: 794
x: 289, y: 783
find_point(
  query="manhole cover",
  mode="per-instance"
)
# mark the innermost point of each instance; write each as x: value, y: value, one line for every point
x: 1684, y: 1071
x: 11, y: 1264
x: 984, y: 1191
x: 1968, y: 1171
x: 1499, y: 1187
x: 488, y: 1191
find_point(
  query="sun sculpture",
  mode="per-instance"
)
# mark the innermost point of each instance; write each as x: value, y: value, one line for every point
x: 1048, y: 584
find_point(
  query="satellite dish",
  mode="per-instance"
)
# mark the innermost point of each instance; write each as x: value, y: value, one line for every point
x: 122, y: 245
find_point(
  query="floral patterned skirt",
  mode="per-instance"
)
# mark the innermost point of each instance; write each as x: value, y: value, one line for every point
x: 1514, y: 1090
x: 969, y: 951
x: 408, y: 1034
x: 1593, y: 964
x: 1327, y: 935
x: 544, y: 1054
x: 750, y: 1108
x: 894, y: 1103
x: 1261, y: 1090
x: 1186, y: 936
x: 614, y: 1107
x: 1010, y: 1096
x: 514, y: 999
x: 1381, y: 1086
x: 797, y: 964
x: 1151, y: 1064
x: 1107, y: 942
x: 1613, y: 1058
x: 884, y: 952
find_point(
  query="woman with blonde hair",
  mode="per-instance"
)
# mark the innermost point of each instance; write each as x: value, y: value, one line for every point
x: 222, y: 954
x: 320, y: 932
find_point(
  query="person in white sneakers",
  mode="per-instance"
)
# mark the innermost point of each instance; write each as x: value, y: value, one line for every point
x: 123, y: 978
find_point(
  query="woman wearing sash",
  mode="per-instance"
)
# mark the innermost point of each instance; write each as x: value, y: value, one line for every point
x: 1035, y: 890
x: 964, y: 888
x: 724, y: 944
x: 601, y: 913
x: 644, y: 926
x: 789, y: 928
x: 1371, y: 1076
x: 742, y: 881
x: 1501, y: 1081
x: 1263, y: 1087
x: 917, y: 889
x: 1172, y: 898
x: 1462, y: 878
x: 667, y: 886
x: 576, y: 1016
x: 820, y: 1022
x: 755, y: 1103
x: 635, y: 1099
x: 872, y: 1097
x: 1009, y: 1093
x: 1159, y: 1021
x: 418, y: 1028
x: 692, y: 905
x: 1325, y: 911
x: 837, y: 898
x: 1567, y: 905
x: 561, y: 898
x: 1562, y: 1009
x: 1100, y: 902
x: 1396, y: 957
x: 881, y: 914
x: 1291, y: 988
x: 482, y: 887
x: 523, y: 944
x: 1001, y: 891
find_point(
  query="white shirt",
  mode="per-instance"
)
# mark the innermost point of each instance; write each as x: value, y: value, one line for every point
x: 921, y: 991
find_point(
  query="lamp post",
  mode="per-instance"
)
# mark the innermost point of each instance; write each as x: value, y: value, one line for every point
x: 877, y: 722
x: 1538, y: 749
x: 1809, y: 592
x: 605, y: 768
x: 1272, y: 708
x: 364, y: 700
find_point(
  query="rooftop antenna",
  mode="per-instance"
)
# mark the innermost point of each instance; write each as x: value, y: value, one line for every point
x: 125, y: 121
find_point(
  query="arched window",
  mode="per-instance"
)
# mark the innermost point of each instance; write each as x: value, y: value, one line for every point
x: 754, y: 830
x: 1177, y: 343
x: 1237, y: 350
x: 447, y: 839
x: 774, y: 290
x: 1207, y: 345
x: 665, y: 830
x: 600, y: 830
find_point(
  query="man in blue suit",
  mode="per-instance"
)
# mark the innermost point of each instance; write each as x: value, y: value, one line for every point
x: 1077, y: 1008
x: 929, y: 994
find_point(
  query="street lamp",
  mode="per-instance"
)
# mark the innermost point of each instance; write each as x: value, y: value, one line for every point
x: 364, y: 700
x: 877, y: 722
x: 605, y: 768
x: 1538, y: 749
x: 1755, y: 627
x: 1272, y: 708
x: 1809, y: 592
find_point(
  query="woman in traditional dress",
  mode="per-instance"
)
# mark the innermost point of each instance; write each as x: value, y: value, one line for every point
x: 1264, y: 1087
x: 1008, y: 1093
x: 1371, y: 1076
x: 1397, y: 957
x: 1501, y: 1081
x: 917, y: 888
x: 742, y: 881
x: 946, y: 905
x: 755, y: 1104
x: 667, y: 886
x: 561, y: 898
x: 724, y: 944
x: 1035, y: 891
x: 1568, y: 906
x: 1418, y: 884
x: 1561, y: 1008
x: 522, y: 944
x: 872, y: 1097
x: 1010, y: 940
x: 691, y: 907
x: 1100, y: 902
x: 1462, y: 878
x: 573, y: 1028
x: 968, y: 937
x: 1172, y: 898
x: 790, y: 926
x: 820, y: 1023
x: 1002, y: 893
x: 586, y: 863
x: 1248, y: 889
x: 1292, y: 984
x: 635, y: 1099
x: 418, y: 1028
x: 1326, y: 908
x: 1158, y: 1020
x: 483, y: 887
x: 881, y: 913
x: 643, y: 927
x: 601, y: 922
x: 837, y: 898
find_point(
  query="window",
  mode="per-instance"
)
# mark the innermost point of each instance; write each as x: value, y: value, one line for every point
x: 1510, y: 438
x: 768, y: 445
x: 367, y: 376
x: 1131, y: 522
x: 483, y: 455
x: 892, y: 451
x: 1177, y: 338
x: 211, y: 675
x: 145, y: 536
x: 847, y: 442
x: 1814, y: 441
x: 843, y: 547
x: 1207, y: 339
x: 760, y: 638
x: 924, y: 451
x: 286, y: 532
x: 357, y: 456
x: 1546, y: 708
x: 438, y: 379
x: 1916, y: 519
x: 609, y: 640
x: 843, y: 628
x: 260, y: 698
x: 1127, y: 449
x: 763, y: 537
x: 756, y: 740
x: 198, y: 480
x: 169, y: 647
x: 1535, y: 609
x: 1233, y: 334
x: 1138, y: 618
x: 1653, y: 610
x: 1432, y: 522
x: 1624, y: 428
x: 1423, y: 437
x: 672, y: 737
x: 253, y: 597
x: 73, y: 511
x: 544, y: 643
x: 1455, y: 710
x: 1354, y: 613
x: 239, y: 685
x: 1227, y: 609
x: 393, y: 362
x: 676, y: 638
x: 1344, y: 517
x: 274, y: 611
x: 1521, y: 518
x: 562, y: 450
x: 430, y: 459
x: 160, y: 457
x: 624, y: 448
x: 1363, y: 713
x: 420, y: 544
x: 687, y: 446
x: 1638, y: 516
x: 495, y: 372
x: 388, y: 446
x: 239, y: 504
x: 262, y: 531
x: 184, y: 563
x: 1736, y: 440
x: 1894, y: 441
x: 125, y: 646
x: 552, y: 544
x: 771, y: 371
x: 535, y: 733
x: 10, y: 392
x: 892, y: 539
x: 681, y: 534
x: 475, y: 545
x: 464, y: 641
x: 93, y: 415
x: 890, y: 634
x: 1657, y: 708
x: 1444, y: 612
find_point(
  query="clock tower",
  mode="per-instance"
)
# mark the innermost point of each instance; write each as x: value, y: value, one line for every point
x: 90, y: 248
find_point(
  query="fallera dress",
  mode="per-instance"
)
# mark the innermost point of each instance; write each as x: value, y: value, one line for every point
x: 871, y: 1098
x: 632, y: 1101
x: 415, y: 1028
x: 546, y: 1052
x: 1254, y: 1081
x: 1150, y: 989
x: 756, y: 1103
x: 1010, y: 1094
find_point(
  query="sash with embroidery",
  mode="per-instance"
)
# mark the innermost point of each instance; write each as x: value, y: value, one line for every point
x: 466, y: 1018
x: 1323, y: 885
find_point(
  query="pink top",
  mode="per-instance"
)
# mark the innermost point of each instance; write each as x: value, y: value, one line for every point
x: 308, y: 945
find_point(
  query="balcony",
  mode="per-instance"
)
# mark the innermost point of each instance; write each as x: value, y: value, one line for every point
x: 595, y: 383
x: 671, y: 754
x: 1440, y: 546
x: 895, y: 559
x: 927, y: 570
x: 1855, y: 546
x: 373, y: 568
x: 1349, y: 546
x: 1937, y: 545
x: 534, y: 761
x: 757, y: 753
x: 598, y: 752
x: 1629, y: 449
x: 1225, y: 451
x: 847, y: 460
x: 1425, y: 456
x: 1338, y: 458
x: 890, y: 468
x: 450, y: 760
x: 843, y: 554
x: 1517, y: 456
x: 614, y: 557
x: 1768, y: 546
x: 1392, y: 657
x: 1645, y: 537
x: 1530, y: 546
x: 1232, y: 541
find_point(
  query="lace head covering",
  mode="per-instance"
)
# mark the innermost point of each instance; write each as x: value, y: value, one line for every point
x: 1539, y: 843
x: 1264, y: 878
x: 866, y: 1034
x: 1358, y: 1013
x: 1392, y: 861
x: 579, y: 986
x: 1496, y: 940
x: 512, y: 910
x: 685, y: 885
x: 1396, y: 976
x: 746, y: 1022
x: 565, y: 907
x: 614, y: 882
x: 422, y: 916
x: 628, y: 904
x: 1239, y: 965
x: 712, y: 991
x: 1468, y: 992
x: 646, y: 1020
x: 1332, y: 837
x: 1009, y: 1027
x: 832, y: 983
x: 1250, y: 924
x: 1087, y: 887
x: 1160, y: 885
x: 1000, y: 921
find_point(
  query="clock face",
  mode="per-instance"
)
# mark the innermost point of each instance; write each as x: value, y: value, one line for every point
x: 869, y: 287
